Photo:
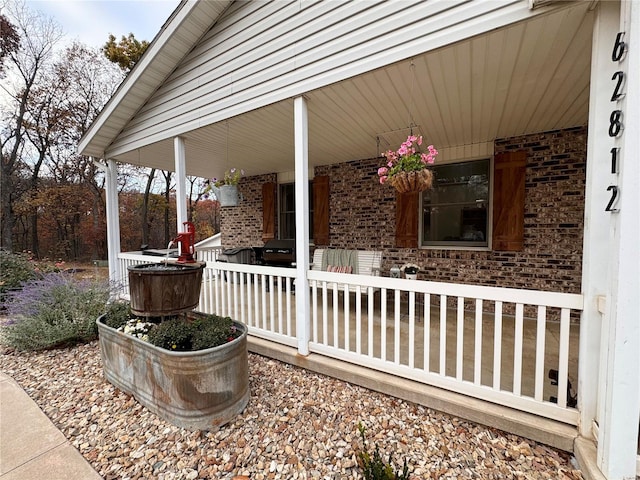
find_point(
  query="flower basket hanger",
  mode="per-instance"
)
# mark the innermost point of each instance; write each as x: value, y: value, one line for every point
x: 406, y: 168
x: 226, y: 188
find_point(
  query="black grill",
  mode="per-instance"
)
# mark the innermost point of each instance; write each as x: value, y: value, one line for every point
x: 279, y: 253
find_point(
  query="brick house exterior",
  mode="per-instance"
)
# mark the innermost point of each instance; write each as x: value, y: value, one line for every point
x: 362, y: 216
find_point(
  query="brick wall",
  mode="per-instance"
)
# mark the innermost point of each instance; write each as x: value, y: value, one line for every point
x: 362, y: 216
x: 241, y: 226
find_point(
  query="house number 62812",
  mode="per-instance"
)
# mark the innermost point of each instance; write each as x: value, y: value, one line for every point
x: 616, y: 126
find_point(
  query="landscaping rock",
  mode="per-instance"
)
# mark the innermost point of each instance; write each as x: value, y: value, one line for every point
x: 298, y: 424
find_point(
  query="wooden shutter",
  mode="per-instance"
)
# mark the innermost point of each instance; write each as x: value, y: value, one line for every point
x: 268, y: 211
x: 508, y: 201
x: 321, y: 210
x: 407, y: 220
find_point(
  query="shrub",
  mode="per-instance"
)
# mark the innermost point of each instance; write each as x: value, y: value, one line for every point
x: 15, y: 269
x: 374, y: 467
x: 54, y: 311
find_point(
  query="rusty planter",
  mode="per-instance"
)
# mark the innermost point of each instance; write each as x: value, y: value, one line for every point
x: 195, y: 390
x: 159, y: 289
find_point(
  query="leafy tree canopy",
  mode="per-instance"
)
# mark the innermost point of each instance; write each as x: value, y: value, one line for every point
x: 126, y: 52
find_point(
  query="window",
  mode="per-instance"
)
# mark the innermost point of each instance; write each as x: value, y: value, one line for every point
x: 455, y: 210
x: 287, y: 211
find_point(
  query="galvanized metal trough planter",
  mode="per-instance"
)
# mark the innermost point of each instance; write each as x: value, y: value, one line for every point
x: 197, y: 390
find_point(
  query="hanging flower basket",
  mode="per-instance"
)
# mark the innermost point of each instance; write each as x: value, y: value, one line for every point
x: 406, y: 169
x: 226, y: 189
x: 227, y: 195
x: 406, y: 182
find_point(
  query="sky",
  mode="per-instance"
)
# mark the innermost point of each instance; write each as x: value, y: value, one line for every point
x: 91, y: 21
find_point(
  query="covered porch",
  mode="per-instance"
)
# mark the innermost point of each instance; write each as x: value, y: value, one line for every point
x: 478, y: 79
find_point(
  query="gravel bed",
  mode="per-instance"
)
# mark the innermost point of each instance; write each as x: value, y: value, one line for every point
x: 298, y: 425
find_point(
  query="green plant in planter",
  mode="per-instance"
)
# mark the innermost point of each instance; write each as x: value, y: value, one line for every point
x: 117, y: 315
x: 179, y: 333
x: 182, y: 335
x: 374, y: 467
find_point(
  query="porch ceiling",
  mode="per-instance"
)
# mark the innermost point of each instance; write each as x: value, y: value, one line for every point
x: 530, y: 77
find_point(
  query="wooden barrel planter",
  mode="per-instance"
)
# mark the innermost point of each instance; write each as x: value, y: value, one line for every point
x: 162, y: 289
x: 197, y: 390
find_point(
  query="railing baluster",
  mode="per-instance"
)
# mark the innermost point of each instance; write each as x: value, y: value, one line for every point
x: 370, y: 312
x: 396, y: 328
x: 347, y: 319
x: 280, y: 318
x: 426, y: 335
x: 314, y: 310
x: 264, y: 300
x: 358, y: 320
x: 497, y: 346
x: 443, y: 334
x: 272, y: 304
x: 246, y: 278
x: 236, y: 281
x: 336, y: 343
x: 477, y: 370
x: 252, y: 290
x: 517, y: 350
x: 541, y: 328
x: 325, y: 315
x: 383, y: 324
x: 460, y: 338
x: 563, y: 357
x: 412, y: 328
x: 289, y: 295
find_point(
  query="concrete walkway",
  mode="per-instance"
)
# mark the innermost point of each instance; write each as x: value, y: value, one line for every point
x: 31, y: 447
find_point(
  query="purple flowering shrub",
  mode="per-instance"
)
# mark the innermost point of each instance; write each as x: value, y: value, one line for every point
x: 53, y: 311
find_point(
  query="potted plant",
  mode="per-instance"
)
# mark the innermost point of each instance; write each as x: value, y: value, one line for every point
x: 410, y: 271
x: 226, y: 189
x: 190, y: 369
x: 406, y: 168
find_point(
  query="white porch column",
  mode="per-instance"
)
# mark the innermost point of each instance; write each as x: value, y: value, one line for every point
x: 301, y: 133
x: 595, y: 263
x: 181, y: 181
x: 113, y: 219
x: 620, y: 413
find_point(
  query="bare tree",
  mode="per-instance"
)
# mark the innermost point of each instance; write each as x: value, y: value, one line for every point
x: 38, y: 36
x: 145, y: 207
x: 9, y: 40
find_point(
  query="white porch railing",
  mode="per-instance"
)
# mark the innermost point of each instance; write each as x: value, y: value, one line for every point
x: 474, y: 340
x: 476, y: 348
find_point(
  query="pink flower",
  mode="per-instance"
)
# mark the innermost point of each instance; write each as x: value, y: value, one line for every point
x: 432, y: 150
x: 390, y: 164
x: 383, y: 179
x: 382, y: 171
x: 420, y: 140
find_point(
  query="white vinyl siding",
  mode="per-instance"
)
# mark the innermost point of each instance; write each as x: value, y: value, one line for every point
x: 259, y: 53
